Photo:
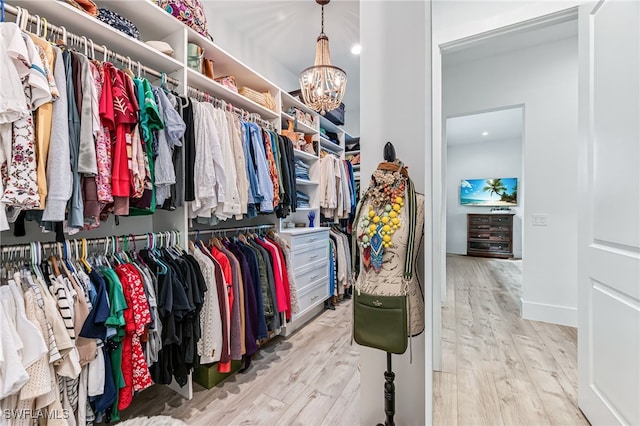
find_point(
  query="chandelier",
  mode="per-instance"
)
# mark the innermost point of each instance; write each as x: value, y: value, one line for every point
x: 323, y: 85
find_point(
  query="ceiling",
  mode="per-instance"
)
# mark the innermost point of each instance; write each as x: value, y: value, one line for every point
x: 288, y: 29
x: 500, y: 125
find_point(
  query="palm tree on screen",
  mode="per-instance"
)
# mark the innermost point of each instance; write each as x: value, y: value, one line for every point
x: 495, y: 186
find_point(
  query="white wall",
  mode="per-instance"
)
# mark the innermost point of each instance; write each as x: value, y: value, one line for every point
x: 545, y: 79
x: 247, y: 51
x: 454, y: 21
x: 478, y: 161
x: 397, y: 113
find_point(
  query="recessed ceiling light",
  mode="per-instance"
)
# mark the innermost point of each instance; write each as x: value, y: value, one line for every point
x: 485, y: 133
x: 356, y: 49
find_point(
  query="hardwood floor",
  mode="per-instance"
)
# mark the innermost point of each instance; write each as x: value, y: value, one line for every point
x: 311, y: 378
x: 497, y: 368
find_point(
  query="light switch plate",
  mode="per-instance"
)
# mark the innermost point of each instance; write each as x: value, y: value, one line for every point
x: 540, y: 219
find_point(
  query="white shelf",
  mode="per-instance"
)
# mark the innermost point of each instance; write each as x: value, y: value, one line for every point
x: 153, y: 22
x: 304, y: 155
x: 205, y: 84
x: 330, y: 146
x: 349, y: 138
x: 289, y: 101
x: 329, y: 126
x: 356, y: 152
x: 305, y: 209
x: 306, y: 182
x: 299, y: 231
x: 77, y: 22
x: 298, y: 126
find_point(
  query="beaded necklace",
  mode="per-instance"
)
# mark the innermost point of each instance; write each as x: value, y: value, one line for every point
x: 386, y: 197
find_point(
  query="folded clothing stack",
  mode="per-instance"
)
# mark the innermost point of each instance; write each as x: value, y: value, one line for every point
x: 303, y: 200
x: 118, y: 22
x: 302, y: 169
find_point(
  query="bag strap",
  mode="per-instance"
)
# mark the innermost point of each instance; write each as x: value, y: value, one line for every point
x: 413, y: 210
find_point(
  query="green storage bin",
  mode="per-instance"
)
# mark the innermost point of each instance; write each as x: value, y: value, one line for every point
x: 208, y: 376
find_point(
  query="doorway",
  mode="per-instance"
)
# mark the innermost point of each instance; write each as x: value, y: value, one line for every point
x: 484, y: 174
x: 508, y: 348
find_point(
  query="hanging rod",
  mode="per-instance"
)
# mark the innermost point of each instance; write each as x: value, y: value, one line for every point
x: 328, y: 151
x: 82, y: 40
x: 222, y: 231
x: 169, y: 235
x: 207, y: 97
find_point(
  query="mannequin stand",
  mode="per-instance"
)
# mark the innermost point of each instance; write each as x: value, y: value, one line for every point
x: 389, y: 394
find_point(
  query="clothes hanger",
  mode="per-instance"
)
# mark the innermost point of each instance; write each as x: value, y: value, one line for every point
x: 54, y: 263
x: 105, y: 53
x: 37, y: 24
x: 128, y: 70
x: 2, y: 15
x: 158, y: 255
x: 45, y: 28
x: 125, y: 249
x: 83, y: 256
x: 62, y: 42
x: 93, y: 49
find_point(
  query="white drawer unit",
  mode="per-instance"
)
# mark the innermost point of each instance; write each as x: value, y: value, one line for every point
x: 305, y: 255
x: 310, y: 266
x: 306, y: 279
x: 312, y: 295
x: 304, y: 239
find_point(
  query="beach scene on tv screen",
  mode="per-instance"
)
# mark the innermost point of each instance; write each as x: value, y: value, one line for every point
x: 489, y: 192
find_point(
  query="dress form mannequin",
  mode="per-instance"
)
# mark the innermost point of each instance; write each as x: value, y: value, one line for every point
x: 391, y: 205
x: 389, y: 280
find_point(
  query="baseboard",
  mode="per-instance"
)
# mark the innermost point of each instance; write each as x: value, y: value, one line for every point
x: 562, y: 315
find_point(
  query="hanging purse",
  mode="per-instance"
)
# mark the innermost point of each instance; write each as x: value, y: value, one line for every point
x: 380, y: 321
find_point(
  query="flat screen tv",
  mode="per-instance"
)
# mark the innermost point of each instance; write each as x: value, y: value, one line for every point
x: 489, y: 192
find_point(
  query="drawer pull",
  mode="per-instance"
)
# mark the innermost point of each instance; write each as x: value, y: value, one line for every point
x: 314, y: 298
x: 312, y: 239
x: 314, y: 277
x: 313, y: 256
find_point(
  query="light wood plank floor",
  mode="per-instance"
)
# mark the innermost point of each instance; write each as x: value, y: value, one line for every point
x: 499, y: 369
x: 311, y: 378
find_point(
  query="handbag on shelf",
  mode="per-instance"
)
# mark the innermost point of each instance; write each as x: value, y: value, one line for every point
x: 195, y: 55
x: 189, y: 12
x: 207, y: 68
x: 87, y: 6
x: 228, y: 81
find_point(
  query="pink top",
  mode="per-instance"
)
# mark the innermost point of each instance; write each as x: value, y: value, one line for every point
x: 281, y: 296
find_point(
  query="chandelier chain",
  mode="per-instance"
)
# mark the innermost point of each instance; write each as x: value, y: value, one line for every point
x: 322, y: 20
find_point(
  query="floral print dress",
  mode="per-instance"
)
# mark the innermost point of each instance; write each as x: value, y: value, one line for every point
x: 19, y: 168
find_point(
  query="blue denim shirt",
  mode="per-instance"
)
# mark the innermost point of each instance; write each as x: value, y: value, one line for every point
x: 262, y: 170
x: 254, y: 195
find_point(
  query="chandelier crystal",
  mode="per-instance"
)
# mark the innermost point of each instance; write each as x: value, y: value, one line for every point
x: 323, y: 85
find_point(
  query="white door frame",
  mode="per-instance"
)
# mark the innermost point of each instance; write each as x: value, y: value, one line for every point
x: 439, y: 161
